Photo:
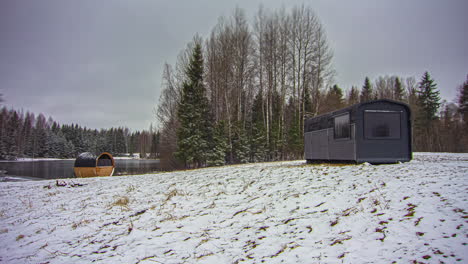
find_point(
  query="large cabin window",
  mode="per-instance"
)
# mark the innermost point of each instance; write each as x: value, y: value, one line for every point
x: 342, y: 127
x: 382, y: 124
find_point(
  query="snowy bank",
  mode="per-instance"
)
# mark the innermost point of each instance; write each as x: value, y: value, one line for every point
x: 269, y: 212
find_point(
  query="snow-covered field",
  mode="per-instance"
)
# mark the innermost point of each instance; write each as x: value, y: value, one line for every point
x: 286, y: 212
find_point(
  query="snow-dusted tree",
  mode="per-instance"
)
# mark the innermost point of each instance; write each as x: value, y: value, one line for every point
x: 463, y: 101
x: 463, y: 110
x: 28, y: 134
x: 3, y: 136
x: 217, y: 155
x: 195, y: 131
x: 258, y: 142
x: 11, y: 139
x: 240, y: 144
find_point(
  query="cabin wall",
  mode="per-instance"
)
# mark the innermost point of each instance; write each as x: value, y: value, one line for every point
x: 383, y: 150
x: 321, y: 145
x: 342, y: 149
x: 316, y: 145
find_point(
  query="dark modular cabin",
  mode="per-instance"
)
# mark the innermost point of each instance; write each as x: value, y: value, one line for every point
x: 376, y: 132
x: 89, y: 165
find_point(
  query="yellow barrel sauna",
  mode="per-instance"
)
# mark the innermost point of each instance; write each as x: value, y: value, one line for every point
x: 89, y: 165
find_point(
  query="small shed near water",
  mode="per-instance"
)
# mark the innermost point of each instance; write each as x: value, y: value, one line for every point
x: 89, y: 165
x: 376, y: 132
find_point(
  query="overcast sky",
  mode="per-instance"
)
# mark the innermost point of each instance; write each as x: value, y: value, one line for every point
x: 99, y: 63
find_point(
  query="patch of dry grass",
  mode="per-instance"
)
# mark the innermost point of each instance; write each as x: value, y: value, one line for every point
x: 80, y: 223
x: 171, y: 194
x: 122, y: 202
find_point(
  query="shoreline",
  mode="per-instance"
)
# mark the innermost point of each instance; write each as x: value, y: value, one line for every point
x: 15, y: 178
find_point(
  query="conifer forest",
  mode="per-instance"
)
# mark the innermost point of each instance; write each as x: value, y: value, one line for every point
x: 25, y: 135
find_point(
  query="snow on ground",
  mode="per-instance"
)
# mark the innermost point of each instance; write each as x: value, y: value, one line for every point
x: 269, y: 212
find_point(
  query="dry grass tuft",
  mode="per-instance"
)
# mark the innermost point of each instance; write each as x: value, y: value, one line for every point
x: 172, y: 194
x: 283, y: 248
x: 203, y: 255
x: 349, y: 211
x: 121, y: 201
x: 410, y: 210
x: 130, y: 188
x: 82, y: 222
x: 340, y: 240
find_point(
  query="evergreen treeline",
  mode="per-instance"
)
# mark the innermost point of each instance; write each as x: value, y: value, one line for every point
x: 26, y: 135
x: 242, y: 94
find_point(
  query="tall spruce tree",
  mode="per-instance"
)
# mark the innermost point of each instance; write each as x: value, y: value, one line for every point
x: 258, y: 143
x: 367, y: 94
x: 463, y: 110
x: 11, y: 140
x: 398, y: 90
x: 463, y: 101
x: 4, y: 116
x: 353, y: 96
x: 195, y: 132
x: 217, y: 155
x: 335, y: 97
x: 429, y: 98
x: 428, y: 102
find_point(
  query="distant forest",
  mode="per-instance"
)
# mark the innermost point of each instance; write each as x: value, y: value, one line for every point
x: 243, y: 93
x: 26, y: 135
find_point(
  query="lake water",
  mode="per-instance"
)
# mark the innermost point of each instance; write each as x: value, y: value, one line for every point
x: 59, y: 169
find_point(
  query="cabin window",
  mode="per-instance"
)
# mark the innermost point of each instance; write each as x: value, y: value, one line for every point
x: 342, y: 128
x: 382, y: 124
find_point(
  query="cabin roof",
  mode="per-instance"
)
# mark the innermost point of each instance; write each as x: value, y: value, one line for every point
x: 324, y: 121
x: 88, y: 159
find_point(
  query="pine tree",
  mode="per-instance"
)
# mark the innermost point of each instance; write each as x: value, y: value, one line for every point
x: 335, y: 98
x: 4, y: 116
x: 463, y: 101
x: 258, y: 143
x: 428, y: 97
x: 367, y: 94
x: 217, y: 155
x: 240, y: 146
x: 398, y: 91
x: 294, y: 138
x: 11, y: 142
x: 28, y: 134
x: 120, y: 146
x: 428, y: 102
x: 353, y: 96
x: 155, y: 144
x: 195, y: 130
